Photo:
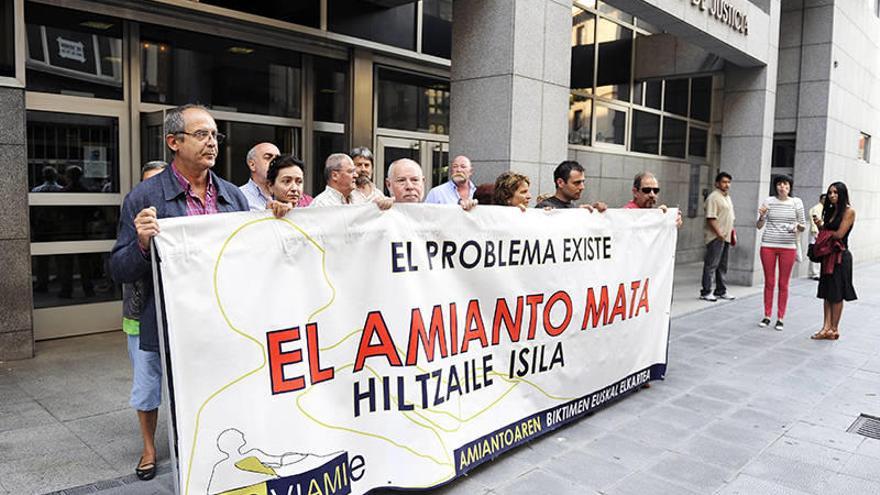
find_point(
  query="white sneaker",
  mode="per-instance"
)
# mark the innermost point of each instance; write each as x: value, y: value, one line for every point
x: 709, y: 297
x: 727, y: 297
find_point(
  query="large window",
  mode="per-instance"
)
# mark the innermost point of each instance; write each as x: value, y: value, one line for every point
x: 395, y: 26
x: 646, y: 132
x: 305, y: 12
x: 412, y: 102
x: 7, y: 38
x: 72, y: 153
x: 437, y: 28
x: 73, y: 52
x: 663, y: 117
x: 615, y: 55
x: 180, y: 67
x: 331, y: 90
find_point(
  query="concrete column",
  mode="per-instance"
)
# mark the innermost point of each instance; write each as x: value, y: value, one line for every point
x: 16, y: 311
x: 510, y: 76
x: 746, y: 150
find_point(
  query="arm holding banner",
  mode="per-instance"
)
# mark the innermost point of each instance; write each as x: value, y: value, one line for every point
x: 128, y: 262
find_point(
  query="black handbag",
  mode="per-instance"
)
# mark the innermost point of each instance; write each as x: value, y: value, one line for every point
x: 811, y: 254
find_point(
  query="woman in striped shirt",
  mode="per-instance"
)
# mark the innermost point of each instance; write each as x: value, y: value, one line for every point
x: 783, y: 217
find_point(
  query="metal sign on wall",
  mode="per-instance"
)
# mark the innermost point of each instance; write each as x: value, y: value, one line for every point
x: 725, y: 12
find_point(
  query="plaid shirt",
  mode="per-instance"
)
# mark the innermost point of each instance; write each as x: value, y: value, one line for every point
x: 194, y: 205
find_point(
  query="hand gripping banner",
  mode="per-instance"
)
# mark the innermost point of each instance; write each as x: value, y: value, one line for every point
x: 343, y: 349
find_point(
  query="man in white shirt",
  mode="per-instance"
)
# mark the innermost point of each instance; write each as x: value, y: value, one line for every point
x: 256, y: 189
x: 365, y: 191
x: 339, y: 172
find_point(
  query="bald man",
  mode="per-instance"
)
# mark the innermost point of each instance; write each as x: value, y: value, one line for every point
x: 458, y: 188
x: 256, y: 189
x: 407, y: 183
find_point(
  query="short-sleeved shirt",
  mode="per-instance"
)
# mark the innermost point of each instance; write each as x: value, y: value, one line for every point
x: 357, y: 197
x: 632, y: 204
x: 447, y: 193
x: 554, y: 202
x: 330, y: 197
x: 720, y: 207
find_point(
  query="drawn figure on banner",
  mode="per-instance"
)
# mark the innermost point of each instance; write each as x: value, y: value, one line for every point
x: 243, y: 469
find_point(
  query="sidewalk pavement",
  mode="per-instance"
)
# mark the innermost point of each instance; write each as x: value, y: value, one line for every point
x: 743, y: 410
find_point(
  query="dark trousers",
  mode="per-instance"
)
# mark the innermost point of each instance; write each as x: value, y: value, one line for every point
x: 715, y: 267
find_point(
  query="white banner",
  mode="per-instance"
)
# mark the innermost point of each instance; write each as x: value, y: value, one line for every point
x: 343, y: 349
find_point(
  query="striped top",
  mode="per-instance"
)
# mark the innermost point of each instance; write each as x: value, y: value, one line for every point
x: 780, y: 227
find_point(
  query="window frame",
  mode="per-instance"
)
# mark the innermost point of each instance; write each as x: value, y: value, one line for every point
x: 18, y: 80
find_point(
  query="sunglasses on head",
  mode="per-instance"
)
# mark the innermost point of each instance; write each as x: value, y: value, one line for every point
x: 649, y: 190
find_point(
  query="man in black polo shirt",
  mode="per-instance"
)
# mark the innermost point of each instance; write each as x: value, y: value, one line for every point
x: 569, y: 178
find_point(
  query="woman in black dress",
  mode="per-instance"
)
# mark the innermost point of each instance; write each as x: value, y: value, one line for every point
x: 839, y: 217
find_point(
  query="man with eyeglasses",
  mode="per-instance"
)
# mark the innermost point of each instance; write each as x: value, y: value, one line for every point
x: 186, y: 187
x: 646, y: 191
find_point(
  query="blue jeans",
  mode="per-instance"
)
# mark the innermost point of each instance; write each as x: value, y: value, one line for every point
x: 715, y: 267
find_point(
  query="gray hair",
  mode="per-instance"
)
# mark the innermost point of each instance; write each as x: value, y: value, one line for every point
x: 153, y: 165
x: 637, y: 180
x: 174, y: 121
x: 362, y: 151
x: 251, y: 154
x: 334, y: 164
x: 401, y: 161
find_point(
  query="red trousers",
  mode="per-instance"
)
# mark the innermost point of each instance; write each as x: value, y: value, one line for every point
x: 769, y: 258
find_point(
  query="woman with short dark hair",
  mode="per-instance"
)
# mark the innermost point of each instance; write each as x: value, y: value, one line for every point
x: 782, y: 218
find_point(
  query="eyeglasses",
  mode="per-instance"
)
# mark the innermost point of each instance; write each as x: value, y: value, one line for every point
x: 202, y: 135
x: 649, y: 190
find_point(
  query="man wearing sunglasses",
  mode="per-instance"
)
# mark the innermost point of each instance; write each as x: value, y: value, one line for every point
x: 646, y: 191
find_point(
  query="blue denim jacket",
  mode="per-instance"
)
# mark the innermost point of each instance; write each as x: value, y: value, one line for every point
x: 128, y: 264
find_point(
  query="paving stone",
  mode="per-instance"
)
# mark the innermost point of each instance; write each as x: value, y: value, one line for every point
x: 540, y: 481
x: 836, y: 439
x: 622, y: 450
x: 744, y: 484
x: 752, y: 418
x: 654, y: 432
x: 588, y: 470
x: 689, y: 472
x: 809, y: 453
x: 36, y: 441
x: 869, y: 447
x: 788, y: 472
x: 54, y: 470
x: 716, y: 452
x: 738, y: 434
x: 702, y: 404
x: 842, y: 484
x: 681, y: 417
x: 495, y: 473
x: 864, y: 467
x: 22, y: 414
x: 640, y: 483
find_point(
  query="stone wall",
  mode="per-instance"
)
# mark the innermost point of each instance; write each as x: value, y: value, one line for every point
x: 16, y: 309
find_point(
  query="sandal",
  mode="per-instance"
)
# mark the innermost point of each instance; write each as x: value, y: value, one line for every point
x: 833, y: 335
x: 145, y: 471
x: 824, y: 334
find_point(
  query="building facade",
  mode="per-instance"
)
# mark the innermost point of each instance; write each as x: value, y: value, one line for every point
x: 683, y: 88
